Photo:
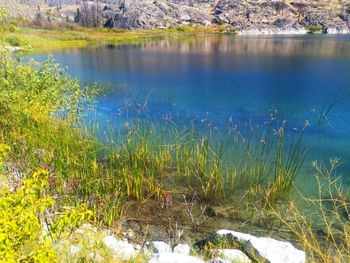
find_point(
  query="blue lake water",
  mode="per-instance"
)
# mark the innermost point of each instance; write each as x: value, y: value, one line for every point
x: 215, y: 78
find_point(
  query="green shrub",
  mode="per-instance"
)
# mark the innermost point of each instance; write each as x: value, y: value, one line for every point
x: 20, y: 226
x: 13, y: 28
x: 24, y: 212
x: 314, y: 29
x: 184, y: 29
x: 38, y: 93
x: 14, y: 41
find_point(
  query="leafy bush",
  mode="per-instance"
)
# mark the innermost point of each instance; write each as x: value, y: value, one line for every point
x: 20, y: 226
x: 38, y: 92
x: 14, y: 41
x: 314, y: 29
x: 24, y: 213
x: 13, y: 28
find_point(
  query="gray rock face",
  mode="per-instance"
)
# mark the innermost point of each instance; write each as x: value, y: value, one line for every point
x: 245, y: 16
x: 160, y: 14
x: 248, y: 17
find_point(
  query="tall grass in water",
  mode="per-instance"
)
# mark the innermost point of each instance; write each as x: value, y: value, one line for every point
x: 323, y: 228
x: 287, y: 165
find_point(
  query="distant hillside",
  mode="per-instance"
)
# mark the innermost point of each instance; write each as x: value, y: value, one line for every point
x: 244, y: 16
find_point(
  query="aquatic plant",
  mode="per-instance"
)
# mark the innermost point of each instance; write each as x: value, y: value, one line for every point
x: 323, y: 229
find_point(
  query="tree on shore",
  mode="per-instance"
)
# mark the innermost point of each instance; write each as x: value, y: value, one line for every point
x: 4, y: 14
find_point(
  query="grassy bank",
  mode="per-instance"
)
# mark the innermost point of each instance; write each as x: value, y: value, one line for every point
x: 53, y: 39
x: 50, y: 39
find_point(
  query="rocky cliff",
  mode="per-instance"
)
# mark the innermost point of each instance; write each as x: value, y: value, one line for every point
x: 243, y: 16
x: 246, y: 17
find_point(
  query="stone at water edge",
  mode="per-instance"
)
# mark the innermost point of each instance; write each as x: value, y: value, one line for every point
x: 173, y: 258
x: 160, y: 247
x: 182, y: 249
x: 121, y: 249
x: 274, y: 251
x: 234, y: 255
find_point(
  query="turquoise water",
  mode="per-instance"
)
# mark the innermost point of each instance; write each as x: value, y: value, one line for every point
x: 214, y: 79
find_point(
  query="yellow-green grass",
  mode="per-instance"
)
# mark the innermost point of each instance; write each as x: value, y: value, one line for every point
x: 42, y: 40
x: 54, y: 39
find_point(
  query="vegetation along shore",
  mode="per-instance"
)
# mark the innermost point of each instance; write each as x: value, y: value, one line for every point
x: 156, y: 190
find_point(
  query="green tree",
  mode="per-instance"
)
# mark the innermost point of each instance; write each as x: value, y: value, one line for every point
x: 4, y: 14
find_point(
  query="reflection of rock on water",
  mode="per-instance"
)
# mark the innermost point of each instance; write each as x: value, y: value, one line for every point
x: 310, y: 45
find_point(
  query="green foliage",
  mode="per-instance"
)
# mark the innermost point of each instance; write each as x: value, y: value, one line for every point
x: 20, y: 226
x: 38, y: 92
x: 23, y: 213
x: 183, y: 29
x: 314, y: 29
x: 4, y: 149
x: 287, y: 166
x: 14, y: 41
x: 70, y: 220
x: 226, y: 29
x: 3, y: 14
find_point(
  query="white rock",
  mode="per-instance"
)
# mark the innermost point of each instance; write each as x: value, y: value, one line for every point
x: 121, y: 249
x: 273, y: 250
x: 182, y: 249
x: 337, y: 30
x: 74, y: 249
x: 95, y: 257
x: 173, y: 258
x: 234, y: 255
x: 138, y: 247
x: 218, y: 260
x: 12, y: 48
x: 160, y: 247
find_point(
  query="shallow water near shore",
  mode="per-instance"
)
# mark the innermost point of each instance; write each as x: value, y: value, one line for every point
x: 213, y: 81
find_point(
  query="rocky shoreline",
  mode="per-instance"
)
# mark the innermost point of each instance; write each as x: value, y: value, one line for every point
x: 224, y: 246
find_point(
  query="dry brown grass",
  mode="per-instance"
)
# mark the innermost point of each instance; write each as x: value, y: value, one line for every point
x: 322, y: 224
